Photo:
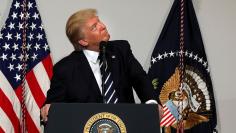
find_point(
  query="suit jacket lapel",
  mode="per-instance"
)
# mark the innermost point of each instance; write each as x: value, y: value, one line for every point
x: 88, y: 73
x: 114, y: 67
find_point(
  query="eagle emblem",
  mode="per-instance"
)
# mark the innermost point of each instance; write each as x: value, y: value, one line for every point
x: 193, y: 101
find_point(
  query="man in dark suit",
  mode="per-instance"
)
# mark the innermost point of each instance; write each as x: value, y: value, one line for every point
x: 78, y: 78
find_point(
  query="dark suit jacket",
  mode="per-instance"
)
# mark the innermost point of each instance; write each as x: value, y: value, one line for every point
x: 74, y: 81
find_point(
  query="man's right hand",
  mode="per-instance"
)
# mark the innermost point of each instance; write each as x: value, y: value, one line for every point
x: 161, y: 112
x: 44, y: 112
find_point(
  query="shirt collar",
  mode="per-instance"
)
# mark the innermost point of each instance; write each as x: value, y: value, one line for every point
x: 91, y: 55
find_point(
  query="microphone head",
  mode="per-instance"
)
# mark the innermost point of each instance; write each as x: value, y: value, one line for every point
x: 102, y: 45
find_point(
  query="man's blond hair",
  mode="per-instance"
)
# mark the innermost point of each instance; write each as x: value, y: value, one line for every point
x: 75, y: 23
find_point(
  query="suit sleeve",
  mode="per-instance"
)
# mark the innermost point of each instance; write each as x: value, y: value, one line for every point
x: 140, y: 81
x: 57, y: 91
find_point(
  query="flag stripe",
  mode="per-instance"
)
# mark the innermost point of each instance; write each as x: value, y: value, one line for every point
x: 31, y: 127
x: 171, y: 122
x: 18, y: 92
x: 1, y: 130
x: 47, y: 62
x: 42, y: 78
x: 32, y: 107
x: 166, y: 116
x: 165, y: 110
x: 5, y: 123
x: 9, y: 92
x: 167, y: 120
x: 36, y: 91
x: 8, y: 109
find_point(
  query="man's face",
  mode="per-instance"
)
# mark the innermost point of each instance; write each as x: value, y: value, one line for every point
x: 94, y: 32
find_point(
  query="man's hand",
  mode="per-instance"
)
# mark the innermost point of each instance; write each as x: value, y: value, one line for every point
x: 160, y: 111
x: 44, y: 112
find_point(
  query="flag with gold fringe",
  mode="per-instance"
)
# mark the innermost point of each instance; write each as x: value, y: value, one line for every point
x: 180, y: 72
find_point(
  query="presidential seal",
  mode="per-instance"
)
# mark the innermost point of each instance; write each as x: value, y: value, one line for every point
x: 104, y: 123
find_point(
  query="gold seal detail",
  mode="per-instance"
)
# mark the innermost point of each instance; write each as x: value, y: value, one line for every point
x: 104, y: 122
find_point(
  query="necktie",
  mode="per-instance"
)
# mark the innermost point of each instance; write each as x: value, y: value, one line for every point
x: 109, y: 90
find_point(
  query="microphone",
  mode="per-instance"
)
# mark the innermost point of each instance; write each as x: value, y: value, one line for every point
x: 102, y: 47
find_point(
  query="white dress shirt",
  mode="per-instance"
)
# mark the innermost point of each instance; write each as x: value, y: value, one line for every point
x: 92, y: 57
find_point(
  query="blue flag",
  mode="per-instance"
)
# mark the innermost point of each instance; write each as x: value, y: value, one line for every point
x: 196, y: 99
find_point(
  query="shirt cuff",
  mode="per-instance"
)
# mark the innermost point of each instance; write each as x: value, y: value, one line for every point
x: 151, y: 101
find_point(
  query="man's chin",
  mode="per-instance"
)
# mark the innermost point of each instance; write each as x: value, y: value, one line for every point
x: 106, y: 38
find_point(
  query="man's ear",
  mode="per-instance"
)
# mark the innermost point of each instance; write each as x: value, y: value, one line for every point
x: 83, y: 43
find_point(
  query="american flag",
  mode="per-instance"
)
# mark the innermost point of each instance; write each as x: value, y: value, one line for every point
x: 170, y: 115
x: 37, y: 71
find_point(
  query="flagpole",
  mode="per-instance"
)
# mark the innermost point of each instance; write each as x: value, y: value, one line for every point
x: 23, y: 124
x: 180, y: 124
